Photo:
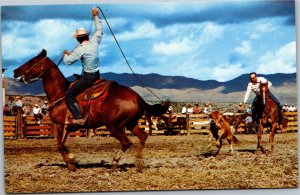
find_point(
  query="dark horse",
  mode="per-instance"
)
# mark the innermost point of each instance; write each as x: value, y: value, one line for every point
x: 236, y: 120
x: 265, y: 114
x: 171, y: 122
x: 122, y: 108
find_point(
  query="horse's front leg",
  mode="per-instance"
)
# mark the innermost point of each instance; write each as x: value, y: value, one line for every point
x: 259, y: 134
x: 272, y: 135
x: 68, y: 157
x: 209, y: 141
x: 219, y: 143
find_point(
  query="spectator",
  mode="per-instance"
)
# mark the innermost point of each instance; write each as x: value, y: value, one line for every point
x: 19, y: 103
x: 37, y: 114
x: 190, y: 109
x: 27, y: 110
x: 10, y: 105
x: 45, y: 108
x: 207, y: 108
x: 196, y: 109
x: 285, y: 108
x: 184, y: 109
x: 5, y: 110
x: 292, y: 108
x: 249, y: 124
x: 249, y: 108
x: 240, y: 108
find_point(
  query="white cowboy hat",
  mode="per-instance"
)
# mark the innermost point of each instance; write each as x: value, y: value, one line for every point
x: 36, y: 105
x: 80, y: 32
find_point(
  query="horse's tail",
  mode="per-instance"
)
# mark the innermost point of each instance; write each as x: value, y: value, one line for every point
x: 156, y: 109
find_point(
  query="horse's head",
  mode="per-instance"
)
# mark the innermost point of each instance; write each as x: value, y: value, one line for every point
x: 216, y: 117
x: 216, y: 114
x: 33, y: 69
x: 264, y: 91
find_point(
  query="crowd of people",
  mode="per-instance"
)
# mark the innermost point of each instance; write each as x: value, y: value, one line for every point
x: 289, y: 108
x: 196, y: 109
x: 206, y: 108
x: 15, y: 104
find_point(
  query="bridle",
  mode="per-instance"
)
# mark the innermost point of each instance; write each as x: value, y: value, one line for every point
x: 43, y: 71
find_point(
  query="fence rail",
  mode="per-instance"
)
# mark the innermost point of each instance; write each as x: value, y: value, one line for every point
x: 15, y: 127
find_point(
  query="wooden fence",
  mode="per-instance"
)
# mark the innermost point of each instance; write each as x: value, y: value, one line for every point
x: 9, y: 127
x: 293, y: 122
x: 25, y: 127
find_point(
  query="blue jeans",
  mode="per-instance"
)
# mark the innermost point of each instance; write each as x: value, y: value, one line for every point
x: 83, y: 83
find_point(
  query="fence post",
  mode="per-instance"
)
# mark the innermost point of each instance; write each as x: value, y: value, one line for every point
x: 188, y: 123
x: 19, y: 124
x: 150, y: 124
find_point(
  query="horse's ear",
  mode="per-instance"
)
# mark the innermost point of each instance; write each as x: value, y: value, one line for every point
x: 43, y: 53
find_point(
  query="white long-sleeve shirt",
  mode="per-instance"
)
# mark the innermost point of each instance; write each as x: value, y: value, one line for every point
x: 36, y: 110
x: 255, y: 87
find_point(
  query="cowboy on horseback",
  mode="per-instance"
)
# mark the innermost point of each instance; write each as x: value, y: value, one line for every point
x: 254, y: 86
x: 87, y: 52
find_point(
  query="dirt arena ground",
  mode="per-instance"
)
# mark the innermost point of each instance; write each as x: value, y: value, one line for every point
x: 171, y: 163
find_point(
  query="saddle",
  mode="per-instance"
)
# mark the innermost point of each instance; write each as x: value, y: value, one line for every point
x: 96, y: 93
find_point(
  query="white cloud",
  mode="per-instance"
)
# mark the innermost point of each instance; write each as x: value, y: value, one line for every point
x: 172, y: 48
x: 244, y: 49
x: 211, y: 32
x: 283, y: 60
x: 261, y: 27
x: 27, y: 39
x: 226, y: 72
x: 116, y: 22
x: 140, y: 31
x: 186, y: 39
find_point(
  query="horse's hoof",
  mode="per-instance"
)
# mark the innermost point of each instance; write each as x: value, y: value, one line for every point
x: 71, y: 156
x: 263, y: 149
x: 114, y: 165
x: 139, y: 165
x: 71, y: 167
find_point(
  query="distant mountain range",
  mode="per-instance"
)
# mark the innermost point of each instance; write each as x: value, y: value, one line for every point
x: 179, y: 88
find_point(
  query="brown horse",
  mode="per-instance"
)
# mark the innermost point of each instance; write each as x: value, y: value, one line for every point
x: 122, y: 108
x: 266, y: 115
x: 220, y: 129
x: 235, y: 120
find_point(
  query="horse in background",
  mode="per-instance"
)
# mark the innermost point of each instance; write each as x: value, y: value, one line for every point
x: 173, y: 121
x: 220, y: 130
x: 235, y: 120
x: 121, y: 108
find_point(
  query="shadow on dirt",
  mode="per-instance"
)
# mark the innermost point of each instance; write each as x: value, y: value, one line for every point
x: 214, y: 153
x: 246, y: 150
x: 208, y: 154
x: 102, y: 164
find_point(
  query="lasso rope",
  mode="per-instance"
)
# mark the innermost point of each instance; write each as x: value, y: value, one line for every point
x: 125, y: 56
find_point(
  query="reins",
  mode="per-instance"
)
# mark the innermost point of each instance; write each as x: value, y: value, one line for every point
x: 40, y: 75
x: 137, y: 78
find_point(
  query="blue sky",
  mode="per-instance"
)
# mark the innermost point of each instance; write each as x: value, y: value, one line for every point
x: 204, y: 40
